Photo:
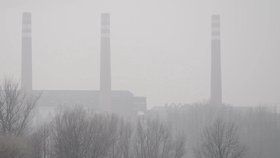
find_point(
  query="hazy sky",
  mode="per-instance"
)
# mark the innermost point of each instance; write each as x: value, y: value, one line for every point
x: 160, y: 48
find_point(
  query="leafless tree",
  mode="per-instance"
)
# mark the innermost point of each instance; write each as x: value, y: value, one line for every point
x: 104, y: 128
x: 220, y: 141
x: 78, y: 134
x: 125, y: 138
x: 121, y: 146
x: 16, y: 108
x: 39, y: 140
x: 180, y: 145
x: 14, y: 147
x: 71, y: 134
x: 154, y: 139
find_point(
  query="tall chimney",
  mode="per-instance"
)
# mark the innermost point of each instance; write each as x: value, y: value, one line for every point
x: 216, y: 78
x: 105, y: 63
x: 26, y: 54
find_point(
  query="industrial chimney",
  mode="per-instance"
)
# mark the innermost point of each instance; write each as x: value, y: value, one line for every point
x: 105, y: 63
x: 216, y: 78
x: 26, y: 54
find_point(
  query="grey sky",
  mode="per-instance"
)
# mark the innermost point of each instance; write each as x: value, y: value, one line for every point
x: 160, y: 48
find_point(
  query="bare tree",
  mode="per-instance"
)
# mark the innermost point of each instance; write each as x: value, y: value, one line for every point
x: 16, y: 107
x: 179, y: 145
x: 220, y: 141
x: 77, y: 134
x: 125, y: 138
x: 104, y: 128
x: 121, y: 146
x: 71, y: 134
x: 154, y: 139
x: 39, y: 140
x: 14, y: 147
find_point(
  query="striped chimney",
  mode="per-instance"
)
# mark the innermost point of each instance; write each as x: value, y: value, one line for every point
x: 216, y: 77
x: 105, y: 63
x: 26, y: 58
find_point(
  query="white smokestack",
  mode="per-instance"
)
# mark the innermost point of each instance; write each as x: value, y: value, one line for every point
x: 26, y: 55
x: 105, y: 63
x: 216, y: 77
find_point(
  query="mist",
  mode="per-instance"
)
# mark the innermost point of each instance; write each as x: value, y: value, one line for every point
x: 160, y: 49
x: 139, y: 79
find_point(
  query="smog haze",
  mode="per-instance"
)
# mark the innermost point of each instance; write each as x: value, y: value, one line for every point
x: 160, y: 49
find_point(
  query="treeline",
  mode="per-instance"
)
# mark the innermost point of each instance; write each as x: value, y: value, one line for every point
x: 79, y: 133
x: 74, y: 133
x: 258, y: 127
x: 190, y: 131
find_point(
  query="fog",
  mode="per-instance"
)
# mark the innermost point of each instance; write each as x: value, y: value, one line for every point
x: 160, y: 49
x: 139, y: 79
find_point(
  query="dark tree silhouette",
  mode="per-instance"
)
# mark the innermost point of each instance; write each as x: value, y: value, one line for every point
x: 220, y: 140
x: 16, y: 107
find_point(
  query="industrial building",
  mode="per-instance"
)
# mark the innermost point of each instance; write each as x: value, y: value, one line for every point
x: 105, y: 99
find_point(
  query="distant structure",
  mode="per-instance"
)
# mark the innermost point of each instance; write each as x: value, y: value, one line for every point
x: 117, y: 101
x: 216, y: 77
x: 105, y: 63
x: 26, y: 46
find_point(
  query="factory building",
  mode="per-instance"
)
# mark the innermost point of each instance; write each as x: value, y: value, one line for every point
x: 104, y: 100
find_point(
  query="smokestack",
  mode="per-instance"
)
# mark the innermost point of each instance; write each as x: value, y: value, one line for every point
x: 26, y: 54
x: 216, y: 77
x: 105, y: 63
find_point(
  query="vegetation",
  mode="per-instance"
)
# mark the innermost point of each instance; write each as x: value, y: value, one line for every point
x: 220, y: 140
x: 212, y: 132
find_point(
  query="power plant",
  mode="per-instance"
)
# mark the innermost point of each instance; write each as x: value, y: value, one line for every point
x: 121, y: 101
